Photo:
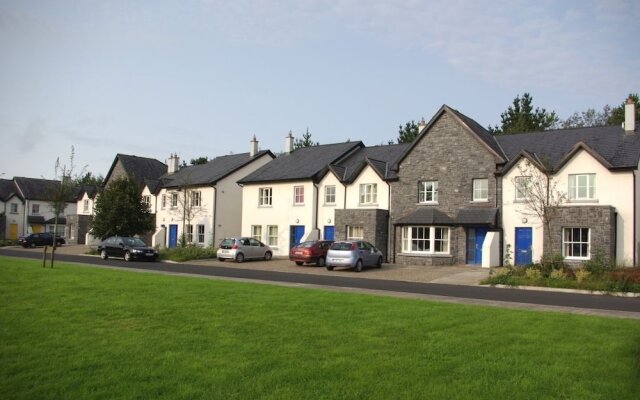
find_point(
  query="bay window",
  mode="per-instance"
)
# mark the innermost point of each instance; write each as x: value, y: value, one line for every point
x: 425, y: 239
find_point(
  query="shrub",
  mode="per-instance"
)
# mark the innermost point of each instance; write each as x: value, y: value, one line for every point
x: 551, y: 262
x: 582, y: 275
x: 189, y: 252
x: 557, y: 274
x: 533, y: 273
x: 599, y: 263
x: 7, y: 242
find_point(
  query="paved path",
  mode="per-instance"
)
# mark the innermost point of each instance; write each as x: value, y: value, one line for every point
x: 367, y: 282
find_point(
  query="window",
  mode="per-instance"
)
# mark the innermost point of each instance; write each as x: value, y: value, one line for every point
x: 355, y: 232
x: 146, y: 200
x: 582, y: 187
x: 428, y: 192
x: 298, y: 195
x: 189, y: 233
x: 265, y: 196
x: 425, y: 239
x: 368, y: 193
x: 196, y: 199
x: 35, y: 209
x: 164, y: 201
x: 272, y: 231
x: 174, y: 199
x: 256, y: 232
x: 481, y: 190
x: 14, y: 208
x: 85, y: 205
x: 575, y: 243
x: 330, y: 194
x: 200, y: 231
x: 523, y: 187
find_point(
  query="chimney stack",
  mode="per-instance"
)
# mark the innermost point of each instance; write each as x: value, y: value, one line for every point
x: 421, y: 125
x: 288, y: 143
x: 173, y: 163
x: 253, y: 149
x: 630, y: 116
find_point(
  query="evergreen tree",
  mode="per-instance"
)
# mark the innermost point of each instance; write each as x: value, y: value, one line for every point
x: 522, y: 117
x: 305, y: 141
x: 408, y: 133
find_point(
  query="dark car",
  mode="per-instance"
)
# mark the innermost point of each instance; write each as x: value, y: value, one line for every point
x: 129, y: 248
x: 310, y: 252
x: 40, y: 239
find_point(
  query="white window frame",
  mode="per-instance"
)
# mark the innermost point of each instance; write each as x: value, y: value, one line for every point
x: 13, y: 209
x: 256, y: 232
x: 196, y: 198
x: 355, y: 232
x: 481, y: 190
x: 330, y: 194
x: 434, y: 239
x: 164, y: 201
x: 272, y: 235
x: 200, y: 233
x: 580, y: 182
x: 35, y: 209
x: 571, y: 243
x: 428, y: 192
x: 522, y: 185
x: 265, y: 196
x: 298, y: 195
x: 188, y: 233
x: 174, y: 200
x: 85, y: 205
x: 368, y: 193
x: 146, y: 199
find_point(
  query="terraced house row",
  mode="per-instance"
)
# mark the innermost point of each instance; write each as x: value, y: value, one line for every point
x: 455, y: 195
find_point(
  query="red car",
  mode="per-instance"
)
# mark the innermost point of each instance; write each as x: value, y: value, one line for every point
x: 311, y: 252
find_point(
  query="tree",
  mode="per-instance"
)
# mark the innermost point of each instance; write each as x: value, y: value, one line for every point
x: 305, y: 141
x: 617, y: 113
x: 521, y: 117
x: 586, y: 119
x: 408, y: 133
x: 89, y: 179
x: 540, y: 195
x: 61, y: 194
x: 199, y: 160
x: 119, y: 210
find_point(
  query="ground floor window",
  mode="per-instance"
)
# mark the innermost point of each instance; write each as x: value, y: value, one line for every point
x: 272, y: 230
x: 256, y: 232
x: 576, y: 243
x: 200, y: 230
x: 355, y: 233
x: 189, y: 233
x: 425, y: 239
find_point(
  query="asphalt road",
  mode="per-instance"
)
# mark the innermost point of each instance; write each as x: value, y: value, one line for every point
x: 599, y: 304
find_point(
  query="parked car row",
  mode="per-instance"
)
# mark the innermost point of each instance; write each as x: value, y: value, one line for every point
x: 40, y: 239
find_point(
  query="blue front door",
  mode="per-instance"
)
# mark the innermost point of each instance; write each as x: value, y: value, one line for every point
x: 475, y: 239
x: 523, y: 254
x: 173, y: 236
x: 297, y: 231
x: 329, y: 231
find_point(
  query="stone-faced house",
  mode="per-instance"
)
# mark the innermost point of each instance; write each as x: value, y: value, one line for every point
x: 204, y: 201
x: 446, y: 196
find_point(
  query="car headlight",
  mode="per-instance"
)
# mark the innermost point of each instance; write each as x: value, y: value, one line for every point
x: 136, y: 251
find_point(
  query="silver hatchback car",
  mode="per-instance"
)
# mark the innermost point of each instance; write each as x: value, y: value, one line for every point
x: 353, y: 254
x: 243, y: 248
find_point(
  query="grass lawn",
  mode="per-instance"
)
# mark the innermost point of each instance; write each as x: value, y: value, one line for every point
x: 77, y: 332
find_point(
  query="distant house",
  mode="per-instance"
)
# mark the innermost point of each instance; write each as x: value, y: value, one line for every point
x: 11, y: 210
x: 202, y: 202
x: 78, y: 224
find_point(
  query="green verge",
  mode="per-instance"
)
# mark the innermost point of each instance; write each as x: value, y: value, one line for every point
x: 76, y: 332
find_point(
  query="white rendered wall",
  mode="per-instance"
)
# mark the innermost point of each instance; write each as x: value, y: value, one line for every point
x: 326, y: 212
x: 368, y: 175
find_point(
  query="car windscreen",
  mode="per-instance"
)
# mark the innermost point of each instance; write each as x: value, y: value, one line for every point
x: 227, y: 243
x: 306, y: 244
x: 341, y: 246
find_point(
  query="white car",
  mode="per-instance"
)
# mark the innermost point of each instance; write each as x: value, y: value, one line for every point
x: 353, y: 254
x: 243, y: 248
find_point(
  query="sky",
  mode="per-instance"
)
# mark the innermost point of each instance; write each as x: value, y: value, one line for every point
x: 200, y: 78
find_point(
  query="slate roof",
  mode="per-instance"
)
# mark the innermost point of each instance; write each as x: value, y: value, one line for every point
x: 621, y: 150
x: 465, y: 217
x: 303, y: 163
x: 380, y: 158
x: 212, y: 171
x: 7, y: 189
x: 140, y: 168
x: 37, y: 189
x: 477, y: 216
x: 90, y: 190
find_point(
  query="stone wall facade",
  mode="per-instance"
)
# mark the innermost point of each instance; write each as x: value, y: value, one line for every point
x: 601, y: 221
x: 375, y: 224
x: 77, y: 228
x: 453, y: 156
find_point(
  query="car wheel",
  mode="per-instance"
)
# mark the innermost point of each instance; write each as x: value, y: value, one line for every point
x: 103, y: 255
x: 267, y: 256
x: 359, y: 266
x: 379, y: 263
x: 127, y: 256
x: 320, y: 262
x: 329, y: 267
x: 299, y: 263
x: 239, y: 257
x: 220, y: 259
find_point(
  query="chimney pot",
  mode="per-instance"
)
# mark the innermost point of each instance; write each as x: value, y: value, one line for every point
x: 288, y: 143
